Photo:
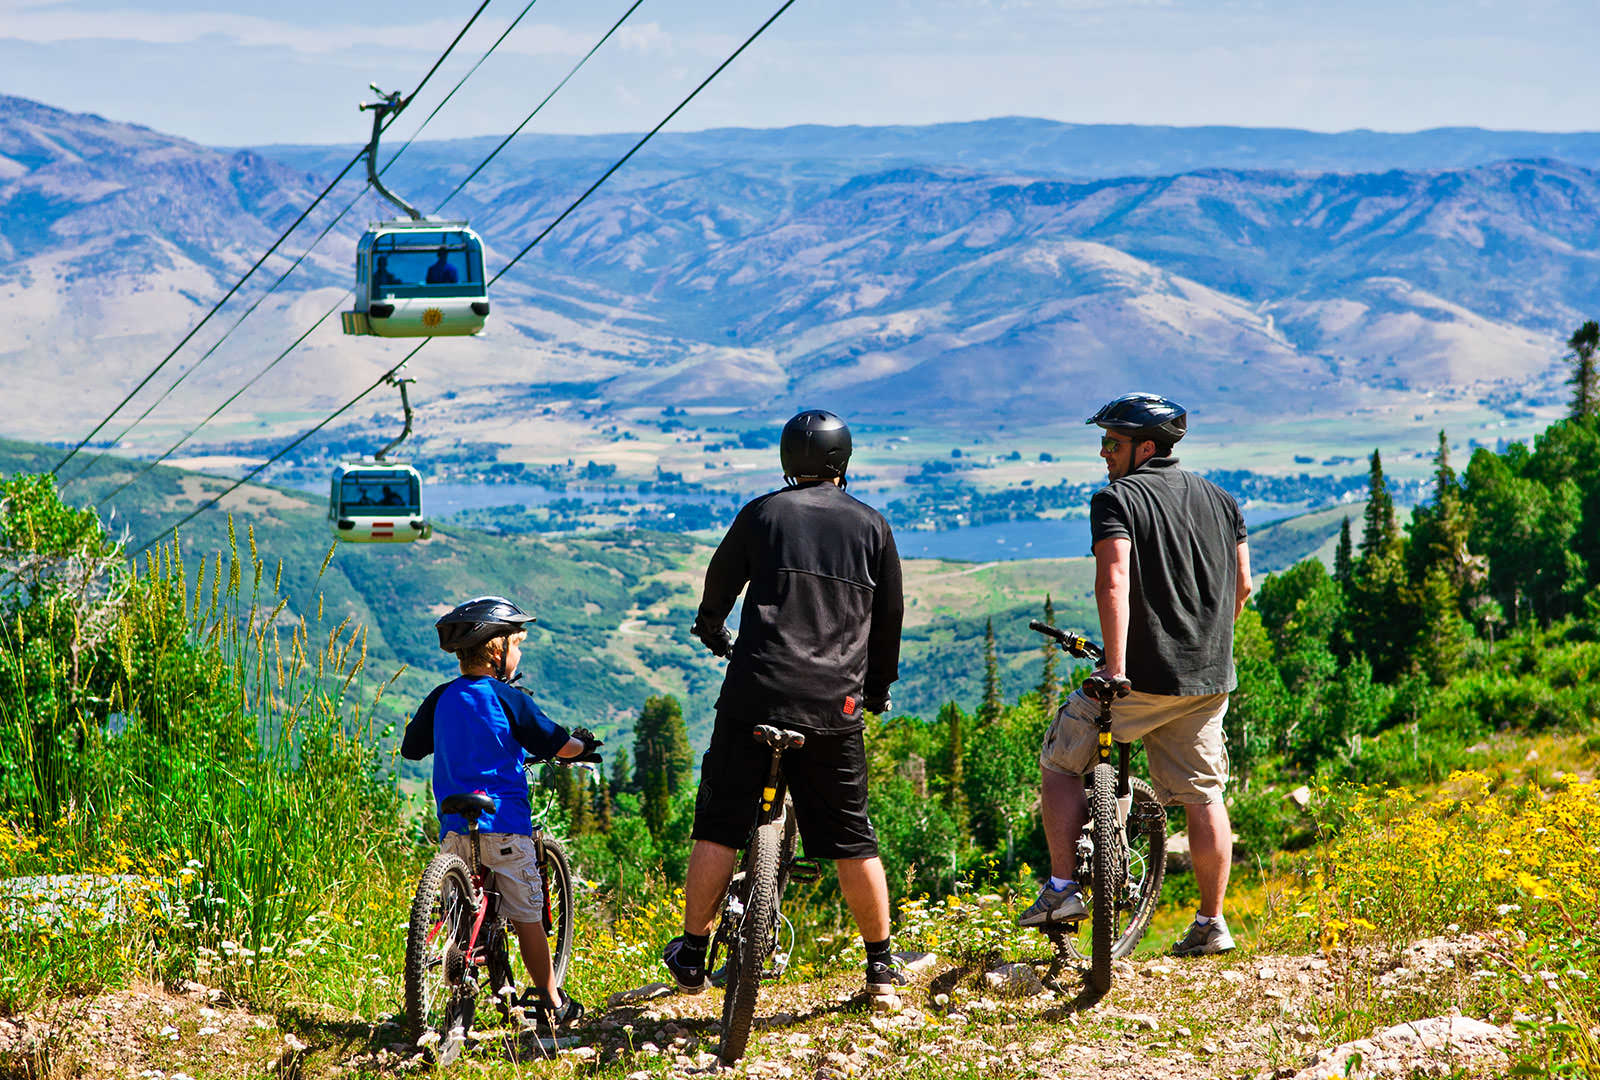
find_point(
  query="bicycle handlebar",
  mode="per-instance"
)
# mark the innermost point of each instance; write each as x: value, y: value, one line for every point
x: 1078, y: 646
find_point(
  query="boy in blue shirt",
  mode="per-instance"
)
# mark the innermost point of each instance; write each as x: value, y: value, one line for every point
x: 479, y: 730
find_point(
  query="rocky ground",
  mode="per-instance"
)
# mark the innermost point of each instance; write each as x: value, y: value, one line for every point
x: 1373, y: 1014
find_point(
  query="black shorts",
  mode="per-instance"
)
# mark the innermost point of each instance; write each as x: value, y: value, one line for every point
x: 827, y: 779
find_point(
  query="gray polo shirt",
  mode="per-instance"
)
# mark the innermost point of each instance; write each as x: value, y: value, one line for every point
x: 1185, y: 533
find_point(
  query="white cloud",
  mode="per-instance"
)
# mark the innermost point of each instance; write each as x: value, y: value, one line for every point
x: 46, y: 24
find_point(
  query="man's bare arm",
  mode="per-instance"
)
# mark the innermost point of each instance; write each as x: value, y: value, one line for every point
x: 1113, y: 560
x: 1242, y: 589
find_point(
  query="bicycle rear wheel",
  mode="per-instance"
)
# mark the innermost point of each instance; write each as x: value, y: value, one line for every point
x: 555, y: 871
x: 1146, y: 865
x: 1107, y: 871
x: 755, y: 891
x: 440, y: 994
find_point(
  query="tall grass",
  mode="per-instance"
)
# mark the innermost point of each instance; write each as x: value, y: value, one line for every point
x: 202, y: 761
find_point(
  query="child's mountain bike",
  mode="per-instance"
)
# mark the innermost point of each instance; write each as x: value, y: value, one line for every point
x: 1123, y: 844
x: 458, y: 945
x: 746, y: 938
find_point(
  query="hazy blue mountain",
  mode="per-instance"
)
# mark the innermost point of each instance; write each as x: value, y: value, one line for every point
x: 951, y: 271
x: 1012, y: 144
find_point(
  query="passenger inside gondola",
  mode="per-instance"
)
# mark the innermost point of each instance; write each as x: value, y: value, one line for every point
x: 381, y: 274
x: 361, y: 495
x: 441, y: 272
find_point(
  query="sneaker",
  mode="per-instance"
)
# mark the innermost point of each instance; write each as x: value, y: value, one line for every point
x: 884, y: 979
x: 570, y: 1012
x: 1213, y: 937
x: 691, y: 978
x: 1053, y: 906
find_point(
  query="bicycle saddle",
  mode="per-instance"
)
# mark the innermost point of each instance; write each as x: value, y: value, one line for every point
x: 1106, y: 690
x: 469, y: 805
x: 778, y: 738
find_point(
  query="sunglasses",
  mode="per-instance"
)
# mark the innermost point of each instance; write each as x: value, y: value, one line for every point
x: 1110, y: 444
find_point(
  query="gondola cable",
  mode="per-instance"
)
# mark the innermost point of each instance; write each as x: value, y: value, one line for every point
x: 264, y: 256
x: 391, y: 372
x: 149, y: 466
x: 292, y: 267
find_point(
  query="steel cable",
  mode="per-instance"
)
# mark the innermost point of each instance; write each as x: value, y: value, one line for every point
x: 264, y: 256
x: 579, y: 201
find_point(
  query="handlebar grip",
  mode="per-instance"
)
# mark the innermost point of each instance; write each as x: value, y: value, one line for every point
x: 1046, y: 629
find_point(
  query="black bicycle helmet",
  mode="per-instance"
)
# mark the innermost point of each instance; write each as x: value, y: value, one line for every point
x: 481, y: 619
x: 1153, y: 416
x: 815, y: 445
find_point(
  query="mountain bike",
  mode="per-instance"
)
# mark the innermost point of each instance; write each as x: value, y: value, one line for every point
x: 746, y: 938
x: 458, y: 942
x: 1124, y: 840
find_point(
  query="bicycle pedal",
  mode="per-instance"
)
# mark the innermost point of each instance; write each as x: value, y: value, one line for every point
x: 804, y: 870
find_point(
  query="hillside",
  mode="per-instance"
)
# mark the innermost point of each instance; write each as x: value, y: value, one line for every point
x: 939, y: 289
x: 631, y: 593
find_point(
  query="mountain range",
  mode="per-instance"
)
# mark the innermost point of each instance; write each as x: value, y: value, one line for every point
x: 948, y: 273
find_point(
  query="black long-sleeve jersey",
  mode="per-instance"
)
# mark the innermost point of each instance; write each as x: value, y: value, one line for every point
x: 820, y: 626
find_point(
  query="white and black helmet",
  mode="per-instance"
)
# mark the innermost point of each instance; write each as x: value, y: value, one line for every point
x: 481, y: 619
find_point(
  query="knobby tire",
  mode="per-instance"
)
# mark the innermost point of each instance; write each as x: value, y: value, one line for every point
x: 1148, y: 829
x: 438, y: 996
x: 752, y: 942
x: 555, y: 872
x: 1108, y: 874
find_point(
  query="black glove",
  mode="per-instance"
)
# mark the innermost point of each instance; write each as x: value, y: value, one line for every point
x: 590, y: 742
x: 715, y: 638
x: 877, y: 703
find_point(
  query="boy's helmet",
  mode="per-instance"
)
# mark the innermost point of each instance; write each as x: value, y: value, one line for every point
x: 815, y: 443
x: 1155, y: 417
x: 478, y: 620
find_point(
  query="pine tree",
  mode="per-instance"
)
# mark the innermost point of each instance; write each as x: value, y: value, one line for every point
x: 952, y: 720
x: 621, y: 774
x: 992, y: 699
x: 661, y: 756
x: 1343, y: 555
x: 602, y: 804
x: 1382, y: 623
x: 1585, y: 340
x: 580, y: 814
x: 1050, y: 680
x: 1379, y: 534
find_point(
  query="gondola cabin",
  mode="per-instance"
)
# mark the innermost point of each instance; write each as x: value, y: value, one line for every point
x: 377, y: 502
x: 419, y: 279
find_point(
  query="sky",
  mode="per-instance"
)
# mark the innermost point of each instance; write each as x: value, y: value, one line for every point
x: 226, y: 73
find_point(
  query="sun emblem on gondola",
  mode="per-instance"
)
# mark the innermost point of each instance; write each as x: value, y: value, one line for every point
x: 432, y: 317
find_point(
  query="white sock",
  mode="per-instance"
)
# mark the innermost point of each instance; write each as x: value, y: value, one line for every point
x: 1057, y: 884
x: 1203, y: 920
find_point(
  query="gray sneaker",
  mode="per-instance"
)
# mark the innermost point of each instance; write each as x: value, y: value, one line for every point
x: 1213, y: 937
x: 1053, y: 906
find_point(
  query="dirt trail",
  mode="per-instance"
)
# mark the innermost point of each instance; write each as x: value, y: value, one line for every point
x: 1235, y: 1016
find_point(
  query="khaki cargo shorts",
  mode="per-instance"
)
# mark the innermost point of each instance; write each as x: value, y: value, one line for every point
x: 515, y: 862
x: 1182, y: 740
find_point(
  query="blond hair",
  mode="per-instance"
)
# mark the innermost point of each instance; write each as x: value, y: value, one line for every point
x: 487, y: 653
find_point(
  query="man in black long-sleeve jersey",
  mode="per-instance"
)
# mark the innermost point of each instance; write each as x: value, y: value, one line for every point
x: 819, y: 645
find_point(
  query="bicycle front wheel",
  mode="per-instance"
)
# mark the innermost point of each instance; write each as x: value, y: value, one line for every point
x: 1146, y: 865
x: 751, y: 941
x: 555, y: 871
x: 439, y: 992
x: 1107, y: 870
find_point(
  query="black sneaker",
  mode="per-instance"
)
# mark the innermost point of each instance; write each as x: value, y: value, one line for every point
x: 691, y: 978
x: 570, y: 1012
x: 885, y: 979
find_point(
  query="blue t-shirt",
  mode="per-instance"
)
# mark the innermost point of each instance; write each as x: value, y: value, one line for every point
x: 479, y: 731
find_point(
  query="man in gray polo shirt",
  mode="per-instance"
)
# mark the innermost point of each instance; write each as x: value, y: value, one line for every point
x: 1172, y: 572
